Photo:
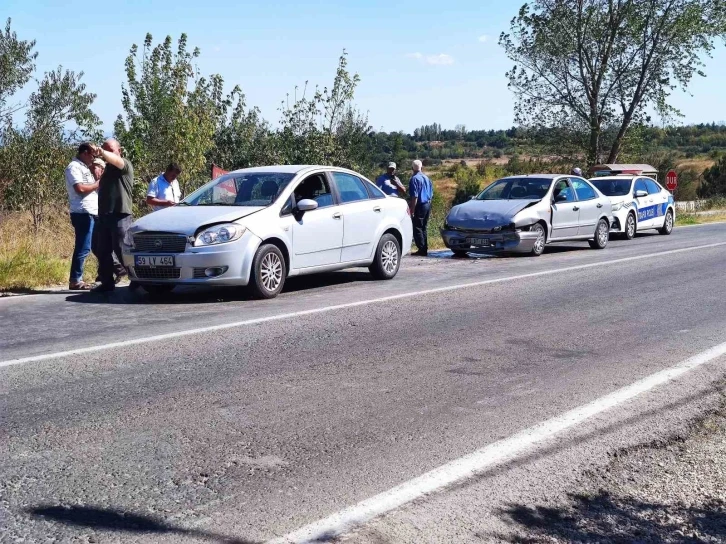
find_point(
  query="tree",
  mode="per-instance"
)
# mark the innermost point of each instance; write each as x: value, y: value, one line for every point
x: 599, y: 66
x: 171, y: 111
x: 59, y: 115
x: 17, y: 64
x: 714, y: 180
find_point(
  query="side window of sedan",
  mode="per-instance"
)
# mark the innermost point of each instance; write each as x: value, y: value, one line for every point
x: 563, y: 192
x: 653, y: 187
x: 315, y: 188
x: 640, y: 186
x: 350, y: 188
x: 583, y: 189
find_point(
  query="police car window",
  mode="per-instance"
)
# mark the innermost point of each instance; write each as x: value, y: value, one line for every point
x: 562, y: 188
x: 652, y: 187
x: 583, y: 190
x: 640, y: 186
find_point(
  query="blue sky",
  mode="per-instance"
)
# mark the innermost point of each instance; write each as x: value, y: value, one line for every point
x: 419, y: 62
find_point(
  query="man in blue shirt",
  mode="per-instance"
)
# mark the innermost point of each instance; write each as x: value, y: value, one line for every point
x: 389, y: 182
x: 421, y: 191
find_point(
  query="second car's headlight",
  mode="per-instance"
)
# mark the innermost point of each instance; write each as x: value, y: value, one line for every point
x: 617, y: 206
x: 219, y: 234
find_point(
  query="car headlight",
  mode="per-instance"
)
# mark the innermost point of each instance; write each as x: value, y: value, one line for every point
x: 129, y: 239
x: 617, y: 206
x: 219, y: 234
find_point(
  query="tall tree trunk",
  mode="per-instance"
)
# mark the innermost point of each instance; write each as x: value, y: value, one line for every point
x: 593, y: 148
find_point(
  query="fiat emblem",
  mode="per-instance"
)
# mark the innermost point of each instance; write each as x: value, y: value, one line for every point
x: 158, y: 244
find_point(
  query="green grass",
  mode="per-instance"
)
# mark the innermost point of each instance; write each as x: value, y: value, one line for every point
x: 32, y: 260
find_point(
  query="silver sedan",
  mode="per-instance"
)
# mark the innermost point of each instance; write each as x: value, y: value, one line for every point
x: 524, y: 213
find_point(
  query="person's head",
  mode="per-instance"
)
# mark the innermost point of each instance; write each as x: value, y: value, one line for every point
x: 85, y: 153
x: 97, y: 168
x: 172, y: 171
x: 391, y: 168
x: 417, y: 165
x: 112, y: 146
x: 576, y: 172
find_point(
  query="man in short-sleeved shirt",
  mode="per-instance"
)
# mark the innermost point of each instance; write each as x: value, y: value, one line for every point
x: 83, y: 203
x: 421, y: 191
x: 389, y: 182
x: 114, y: 209
x: 164, y: 189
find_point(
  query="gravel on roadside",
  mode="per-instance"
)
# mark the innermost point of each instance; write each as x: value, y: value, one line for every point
x: 670, y: 491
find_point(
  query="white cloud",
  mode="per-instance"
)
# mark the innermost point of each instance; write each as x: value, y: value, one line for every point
x: 442, y: 59
x: 483, y: 38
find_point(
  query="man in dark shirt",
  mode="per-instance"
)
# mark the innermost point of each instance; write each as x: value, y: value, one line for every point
x: 114, y: 209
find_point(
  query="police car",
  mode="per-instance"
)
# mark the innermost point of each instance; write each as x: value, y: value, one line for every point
x: 639, y: 203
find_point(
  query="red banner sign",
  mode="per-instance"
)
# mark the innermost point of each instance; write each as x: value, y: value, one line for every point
x: 217, y: 171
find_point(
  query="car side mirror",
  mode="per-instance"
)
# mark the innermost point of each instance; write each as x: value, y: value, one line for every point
x: 641, y: 194
x: 561, y: 198
x: 306, y: 205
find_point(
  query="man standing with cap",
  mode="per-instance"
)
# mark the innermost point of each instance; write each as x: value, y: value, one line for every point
x: 421, y: 191
x: 389, y: 182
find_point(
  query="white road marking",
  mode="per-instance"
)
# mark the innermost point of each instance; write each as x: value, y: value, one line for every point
x: 485, y: 458
x: 324, y: 309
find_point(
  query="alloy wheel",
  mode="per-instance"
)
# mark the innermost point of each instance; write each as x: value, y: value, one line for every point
x: 602, y: 233
x: 539, y: 243
x: 630, y: 226
x: 271, y: 271
x: 389, y: 256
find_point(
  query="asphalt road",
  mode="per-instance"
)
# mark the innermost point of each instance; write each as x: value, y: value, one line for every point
x: 250, y: 432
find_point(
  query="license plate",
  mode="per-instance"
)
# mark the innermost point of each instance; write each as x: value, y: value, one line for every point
x: 478, y: 241
x: 154, y: 261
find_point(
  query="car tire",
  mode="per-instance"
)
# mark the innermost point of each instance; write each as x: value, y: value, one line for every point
x: 268, y: 273
x: 460, y: 253
x: 602, y: 235
x: 667, y: 227
x: 158, y: 290
x: 387, y: 259
x: 539, y: 244
x: 631, y: 226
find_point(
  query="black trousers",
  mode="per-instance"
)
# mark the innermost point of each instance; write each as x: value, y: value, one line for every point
x: 111, y: 231
x: 420, y: 222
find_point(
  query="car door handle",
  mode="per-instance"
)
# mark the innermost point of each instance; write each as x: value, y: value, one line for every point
x: 575, y: 209
x: 599, y: 205
x: 377, y: 209
x: 337, y: 215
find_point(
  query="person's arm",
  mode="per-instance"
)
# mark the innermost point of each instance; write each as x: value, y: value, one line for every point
x: 414, y: 194
x: 110, y: 158
x: 79, y: 183
x: 153, y: 201
x: 399, y: 185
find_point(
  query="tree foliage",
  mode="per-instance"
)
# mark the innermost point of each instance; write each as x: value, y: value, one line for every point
x: 17, y: 64
x: 171, y: 111
x: 599, y: 66
x: 714, y: 180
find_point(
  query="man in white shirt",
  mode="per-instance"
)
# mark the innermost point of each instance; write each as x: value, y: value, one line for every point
x: 164, y: 189
x: 83, y: 199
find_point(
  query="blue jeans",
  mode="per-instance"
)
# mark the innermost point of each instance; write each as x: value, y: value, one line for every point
x: 83, y: 224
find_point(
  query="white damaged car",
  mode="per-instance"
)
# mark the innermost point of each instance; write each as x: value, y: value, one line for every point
x: 524, y: 213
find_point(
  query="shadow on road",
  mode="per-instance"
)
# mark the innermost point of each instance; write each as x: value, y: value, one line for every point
x: 606, y: 518
x: 115, y: 520
x: 210, y: 295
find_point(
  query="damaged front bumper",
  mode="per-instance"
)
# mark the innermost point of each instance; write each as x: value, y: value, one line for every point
x: 516, y: 241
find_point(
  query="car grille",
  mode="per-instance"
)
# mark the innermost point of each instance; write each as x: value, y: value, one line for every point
x: 158, y: 242
x: 149, y: 273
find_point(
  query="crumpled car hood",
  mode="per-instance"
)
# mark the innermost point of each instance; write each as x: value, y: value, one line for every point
x: 485, y: 214
x: 187, y: 219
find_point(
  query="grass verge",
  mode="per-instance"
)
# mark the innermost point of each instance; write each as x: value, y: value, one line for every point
x: 32, y: 260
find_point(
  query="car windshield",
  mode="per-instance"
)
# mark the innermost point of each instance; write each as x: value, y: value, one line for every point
x: 613, y: 187
x: 241, y: 189
x: 516, y: 189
